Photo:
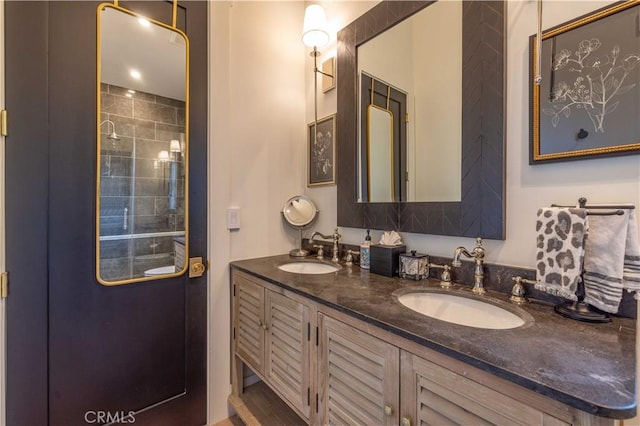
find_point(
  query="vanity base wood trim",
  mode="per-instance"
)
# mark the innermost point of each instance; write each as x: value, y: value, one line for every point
x: 260, y: 406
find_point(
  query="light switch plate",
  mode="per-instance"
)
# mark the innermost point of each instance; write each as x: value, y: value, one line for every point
x: 233, y: 218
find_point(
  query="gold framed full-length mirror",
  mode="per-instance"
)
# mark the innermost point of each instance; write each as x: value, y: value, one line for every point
x: 142, y: 148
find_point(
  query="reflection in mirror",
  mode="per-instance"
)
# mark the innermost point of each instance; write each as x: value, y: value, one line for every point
x: 380, y: 154
x: 423, y: 56
x: 142, y: 148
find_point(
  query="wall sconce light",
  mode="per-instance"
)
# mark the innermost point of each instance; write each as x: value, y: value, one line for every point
x: 175, y: 146
x: 313, y: 29
x: 113, y: 135
x: 163, y: 156
x: 315, y: 35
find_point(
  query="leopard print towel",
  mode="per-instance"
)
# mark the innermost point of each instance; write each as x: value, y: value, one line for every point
x: 560, y: 251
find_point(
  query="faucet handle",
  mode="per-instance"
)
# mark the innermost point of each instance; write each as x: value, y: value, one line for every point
x: 478, y: 241
x: 349, y: 257
x: 517, y: 292
x: 320, y: 248
x: 445, y: 276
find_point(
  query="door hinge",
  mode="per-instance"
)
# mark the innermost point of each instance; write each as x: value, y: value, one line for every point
x: 4, y: 285
x: 406, y: 117
x: 406, y: 176
x: 3, y: 123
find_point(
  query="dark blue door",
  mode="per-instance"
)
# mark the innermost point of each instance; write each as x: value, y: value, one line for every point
x: 79, y: 352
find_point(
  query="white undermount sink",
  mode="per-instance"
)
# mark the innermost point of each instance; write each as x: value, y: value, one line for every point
x: 460, y: 310
x: 308, y: 267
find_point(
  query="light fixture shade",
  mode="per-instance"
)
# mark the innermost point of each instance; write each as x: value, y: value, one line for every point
x: 313, y: 30
x: 163, y: 156
x: 174, y: 146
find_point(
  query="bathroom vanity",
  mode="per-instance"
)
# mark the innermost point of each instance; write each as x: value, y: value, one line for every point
x: 339, y: 348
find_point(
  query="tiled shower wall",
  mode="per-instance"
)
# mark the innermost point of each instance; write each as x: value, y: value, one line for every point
x: 135, y: 185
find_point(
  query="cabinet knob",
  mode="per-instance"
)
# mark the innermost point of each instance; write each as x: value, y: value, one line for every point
x: 388, y: 410
x: 263, y: 325
x: 405, y: 421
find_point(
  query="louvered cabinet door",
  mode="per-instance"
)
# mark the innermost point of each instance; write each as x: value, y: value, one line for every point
x: 249, y: 322
x: 433, y: 395
x: 287, y: 359
x: 358, y: 376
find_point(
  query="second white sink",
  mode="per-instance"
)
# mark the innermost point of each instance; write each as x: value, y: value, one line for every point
x: 460, y: 310
x: 308, y: 267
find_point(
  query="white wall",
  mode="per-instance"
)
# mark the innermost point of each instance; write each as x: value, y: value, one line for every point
x: 261, y: 91
x: 256, y: 142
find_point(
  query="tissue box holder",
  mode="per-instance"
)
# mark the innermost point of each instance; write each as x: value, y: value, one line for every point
x: 385, y: 259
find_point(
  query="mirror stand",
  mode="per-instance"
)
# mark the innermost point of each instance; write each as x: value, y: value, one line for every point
x: 299, y: 252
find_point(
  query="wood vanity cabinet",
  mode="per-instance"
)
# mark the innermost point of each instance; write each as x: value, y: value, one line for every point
x: 368, y: 376
x: 332, y: 368
x: 432, y: 395
x: 357, y: 376
x: 272, y: 335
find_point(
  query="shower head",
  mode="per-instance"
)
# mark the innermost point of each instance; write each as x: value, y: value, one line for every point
x: 113, y: 135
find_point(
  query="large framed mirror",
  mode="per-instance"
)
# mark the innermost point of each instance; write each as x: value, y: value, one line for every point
x: 142, y: 148
x: 447, y: 174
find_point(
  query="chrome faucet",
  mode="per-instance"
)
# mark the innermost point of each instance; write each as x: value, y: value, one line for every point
x: 335, y: 237
x: 478, y: 274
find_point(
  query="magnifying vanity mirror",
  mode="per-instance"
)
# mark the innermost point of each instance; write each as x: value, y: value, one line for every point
x: 421, y: 114
x: 299, y: 212
x: 142, y: 148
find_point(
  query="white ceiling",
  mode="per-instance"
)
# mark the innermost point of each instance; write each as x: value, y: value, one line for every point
x: 158, y: 53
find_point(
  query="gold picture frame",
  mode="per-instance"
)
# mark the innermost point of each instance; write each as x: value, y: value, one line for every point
x: 321, y: 152
x: 584, y: 106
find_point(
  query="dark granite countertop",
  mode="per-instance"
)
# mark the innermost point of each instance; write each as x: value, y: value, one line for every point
x: 591, y: 367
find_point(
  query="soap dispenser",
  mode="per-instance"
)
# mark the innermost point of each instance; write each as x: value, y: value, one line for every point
x: 365, y: 255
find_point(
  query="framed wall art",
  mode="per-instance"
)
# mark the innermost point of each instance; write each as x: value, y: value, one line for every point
x: 588, y: 103
x: 322, y: 152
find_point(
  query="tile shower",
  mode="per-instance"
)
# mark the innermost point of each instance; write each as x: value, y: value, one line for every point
x: 141, y: 194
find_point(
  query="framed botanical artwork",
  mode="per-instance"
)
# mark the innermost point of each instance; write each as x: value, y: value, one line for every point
x: 588, y: 102
x: 322, y: 152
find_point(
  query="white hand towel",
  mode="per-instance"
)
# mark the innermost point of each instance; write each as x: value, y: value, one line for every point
x: 560, y: 250
x: 631, y: 269
x: 603, y: 261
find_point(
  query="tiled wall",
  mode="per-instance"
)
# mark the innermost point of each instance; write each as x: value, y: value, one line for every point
x: 135, y: 187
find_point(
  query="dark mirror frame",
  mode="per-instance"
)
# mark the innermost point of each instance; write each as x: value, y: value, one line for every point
x: 481, y: 211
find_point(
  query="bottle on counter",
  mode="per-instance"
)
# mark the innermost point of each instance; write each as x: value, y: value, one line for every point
x: 365, y: 254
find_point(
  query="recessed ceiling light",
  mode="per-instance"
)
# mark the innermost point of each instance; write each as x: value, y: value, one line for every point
x: 131, y: 91
x: 135, y: 74
x: 144, y: 22
x: 128, y: 95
